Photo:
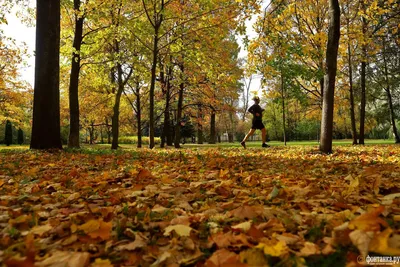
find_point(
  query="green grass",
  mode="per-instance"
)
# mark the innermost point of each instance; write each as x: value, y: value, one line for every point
x: 250, y: 144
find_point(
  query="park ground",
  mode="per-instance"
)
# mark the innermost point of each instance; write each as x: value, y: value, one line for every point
x: 200, y: 206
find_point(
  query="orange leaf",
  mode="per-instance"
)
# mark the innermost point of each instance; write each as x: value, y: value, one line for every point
x: 369, y: 221
x: 144, y: 174
x: 223, y: 258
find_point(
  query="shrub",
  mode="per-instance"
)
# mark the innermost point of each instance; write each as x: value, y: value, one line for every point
x: 134, y: 140
x: 20, y: 136
x: 8, y: 139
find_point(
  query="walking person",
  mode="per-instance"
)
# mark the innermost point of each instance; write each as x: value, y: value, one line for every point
x: 257, y: 123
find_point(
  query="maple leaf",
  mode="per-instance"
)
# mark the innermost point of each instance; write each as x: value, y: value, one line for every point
x: 29, y: 260
x: 380, y: 244
x: 66, y: 258
x: 369, y: 221
x: 180, y: 229
x: 140, y: 242
x: 40, y: 230
x: 224, y: 258
x: 96, y: 229
x: 244, y: 212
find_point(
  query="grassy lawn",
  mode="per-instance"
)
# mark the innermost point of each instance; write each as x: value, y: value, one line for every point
x: 249, y: 144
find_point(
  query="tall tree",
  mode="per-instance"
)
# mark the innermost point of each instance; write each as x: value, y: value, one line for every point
x: 73, y: 141
x: 46, y: 103
x: 330, y: 77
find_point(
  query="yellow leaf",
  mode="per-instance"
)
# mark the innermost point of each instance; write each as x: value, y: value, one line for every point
x: 97, y: 229
x: 380, y: 244
x: 253, y: 257
x: 276, y: 250
x: 180, y: 229
x: 40, y: 230
x: 101, y: 263
x: 90, y: 226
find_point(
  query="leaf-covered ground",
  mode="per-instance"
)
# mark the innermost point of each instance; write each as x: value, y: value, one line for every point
x: 200, y: 207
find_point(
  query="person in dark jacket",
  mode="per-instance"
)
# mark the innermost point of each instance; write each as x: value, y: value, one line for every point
x: 257, y: 123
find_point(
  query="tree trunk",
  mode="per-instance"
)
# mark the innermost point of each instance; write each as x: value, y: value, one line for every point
x: 330, y: 77
x: 115, y: 118
x: 179, y: 113
x: 283, y: 108
x: 138, y: 115
x: 351, y: 89
x: 73, y: 141
x: 363, y: 103
x: 109, y: 132
x: 152, y: 87
x: 246, y: 98
x: 200, y: 136
x: 389, y: 96
x: 363, y: 78
x: 213, y: 132
x: 46, y: 101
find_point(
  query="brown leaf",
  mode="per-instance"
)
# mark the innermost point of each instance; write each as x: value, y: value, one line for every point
x: 144, y: 174
x: 309, y: 249
x: 244, y: 212
x: 224, y: 258
x: 67, y: 258
x: 29, y: 260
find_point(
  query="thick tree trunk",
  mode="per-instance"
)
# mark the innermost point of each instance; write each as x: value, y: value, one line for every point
x: 73, y: 141
x: 213, y: 132
x: 115, y: 118
x: 330, y: 77
x: 352, y: 112
x: 46, y: 102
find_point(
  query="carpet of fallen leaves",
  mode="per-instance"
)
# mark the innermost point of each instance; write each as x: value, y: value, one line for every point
x: 200, y: 207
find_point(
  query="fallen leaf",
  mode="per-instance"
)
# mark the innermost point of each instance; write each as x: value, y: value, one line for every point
x: 162, y: 258
x: 369, y: 221
x: 309, y: 249
x: 253, y: 257
x: 274, y: 248
x: 140, y: 242
x: 41, y: 230
x: 361, y: 240
x: 244, y: 212
x: 66, y: 258
x: 102, y: 263
x: 180, y: 229
x: 380, y: 244
x: 245, y: 226
x: 144, y: 174
x: 223, y: 258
